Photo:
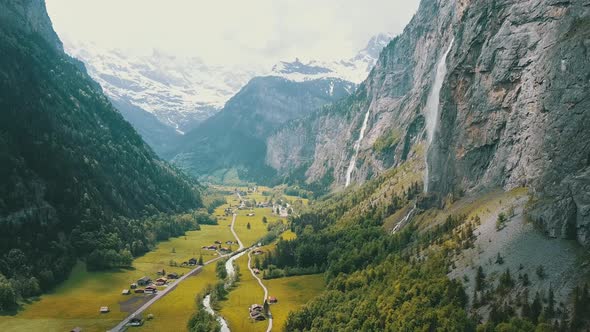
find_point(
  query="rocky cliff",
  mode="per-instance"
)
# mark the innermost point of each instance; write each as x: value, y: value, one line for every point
x: 509, y: 113
x: 235, y: 137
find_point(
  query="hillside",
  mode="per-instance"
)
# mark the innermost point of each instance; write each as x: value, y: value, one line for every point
x: 235, y: 137
x: 71, y: 165
x: 497, y: 89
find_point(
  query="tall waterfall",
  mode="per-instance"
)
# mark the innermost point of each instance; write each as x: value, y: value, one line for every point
x: 357, y: 146
x: 432, y: 109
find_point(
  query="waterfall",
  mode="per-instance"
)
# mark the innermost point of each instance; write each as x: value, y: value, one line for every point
x: 403, y: 221
x: 432, y: 109
x: 357, y: 146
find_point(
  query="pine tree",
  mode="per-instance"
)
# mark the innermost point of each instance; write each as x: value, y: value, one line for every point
x: 248, y: 226
x: 550, y: 309
x: 480, y: 279
x: 201, y: 260
x: 536, y: 308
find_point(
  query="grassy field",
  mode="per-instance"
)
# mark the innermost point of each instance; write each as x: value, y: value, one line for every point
x: 246, y: 292
x: 76, y: 302
x: 292, y: 293
x: 173, y: 311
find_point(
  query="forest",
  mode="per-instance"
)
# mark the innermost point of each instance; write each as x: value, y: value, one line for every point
x: 77, y: 181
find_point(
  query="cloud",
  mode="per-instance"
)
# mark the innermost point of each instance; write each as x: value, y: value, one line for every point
x: 231, y: 31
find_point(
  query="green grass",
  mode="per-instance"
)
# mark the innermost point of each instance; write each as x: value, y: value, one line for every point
x: 172, y: 312
x: 292, y: 293
x: 257, y: 228
x: 246, y: 292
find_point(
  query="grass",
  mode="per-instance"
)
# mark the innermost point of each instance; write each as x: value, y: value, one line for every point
x: 257, y: 228
x: 292, y: 293
x: 172, y: 312
x: 76, y: 301
x: 246, y: 292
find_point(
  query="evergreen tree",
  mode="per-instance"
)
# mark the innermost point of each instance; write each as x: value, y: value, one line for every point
x: 480, y: 279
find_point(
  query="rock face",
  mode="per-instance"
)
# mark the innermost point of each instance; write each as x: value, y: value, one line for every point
x: 512, y: 108
x: 235, y: 137
x: 31, y: 16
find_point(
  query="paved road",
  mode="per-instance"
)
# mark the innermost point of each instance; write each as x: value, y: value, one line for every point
x: 122, y: 325
x: 269, y: 328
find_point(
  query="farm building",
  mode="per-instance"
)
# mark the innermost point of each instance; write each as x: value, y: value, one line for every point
x: 144, y: 281
x: 161, y: 281
x: 104, y: 310
x: 133, y: 286
x: 172, y: 275
x: 76, y: 329
x: 126, y: 292
x: 192, y: 261
x: 272, y: 299
x: 139, y: 291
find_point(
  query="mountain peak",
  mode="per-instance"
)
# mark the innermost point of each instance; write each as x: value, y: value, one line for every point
x: 355, y: 69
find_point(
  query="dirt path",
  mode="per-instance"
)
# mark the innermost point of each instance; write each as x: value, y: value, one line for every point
x: 263, y: 287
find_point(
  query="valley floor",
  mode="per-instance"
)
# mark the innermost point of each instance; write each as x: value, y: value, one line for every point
x: 76, y: 302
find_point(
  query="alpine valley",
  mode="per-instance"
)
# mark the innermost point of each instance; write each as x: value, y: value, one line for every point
x: 439, y: 180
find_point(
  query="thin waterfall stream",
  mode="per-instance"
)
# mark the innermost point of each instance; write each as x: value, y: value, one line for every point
x: 357, y: 146
x: 432, y: 109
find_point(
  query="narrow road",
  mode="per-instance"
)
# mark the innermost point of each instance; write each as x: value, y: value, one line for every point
x: 122, y: 325
x: 269, y: 328
x: 233, y: 221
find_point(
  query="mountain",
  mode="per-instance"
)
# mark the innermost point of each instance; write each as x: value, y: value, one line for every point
x: 182, y: 92
x: 179, y: 91
x: 235, y: 137
x: 73, y: 170
x: 491, y: 96
x: 353, y: 70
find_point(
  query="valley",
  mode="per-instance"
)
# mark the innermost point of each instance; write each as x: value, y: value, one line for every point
x: 436, y: 180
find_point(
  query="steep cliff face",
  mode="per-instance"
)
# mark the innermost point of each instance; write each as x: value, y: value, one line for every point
x: 510, y: 110
x: 31, y: 16
x: 394, y: 95
x: 515, y: 108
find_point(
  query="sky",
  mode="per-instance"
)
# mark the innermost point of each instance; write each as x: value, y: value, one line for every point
x: 231, y: 31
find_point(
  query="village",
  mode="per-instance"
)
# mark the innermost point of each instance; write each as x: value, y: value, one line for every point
x: 147, y: 296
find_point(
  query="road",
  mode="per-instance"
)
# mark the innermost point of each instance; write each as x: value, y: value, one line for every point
x: 233, y: 221
x: 269, y: 328
x: 122, y: 325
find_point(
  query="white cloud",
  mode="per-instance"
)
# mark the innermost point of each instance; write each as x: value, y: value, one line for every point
x: 231, y: 31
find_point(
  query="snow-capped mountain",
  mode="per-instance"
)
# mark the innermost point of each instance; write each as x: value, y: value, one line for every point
x: 353, y: 70
x: 180, y: 92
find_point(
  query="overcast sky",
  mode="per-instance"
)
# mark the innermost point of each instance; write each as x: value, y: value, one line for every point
x: 230, y: 32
